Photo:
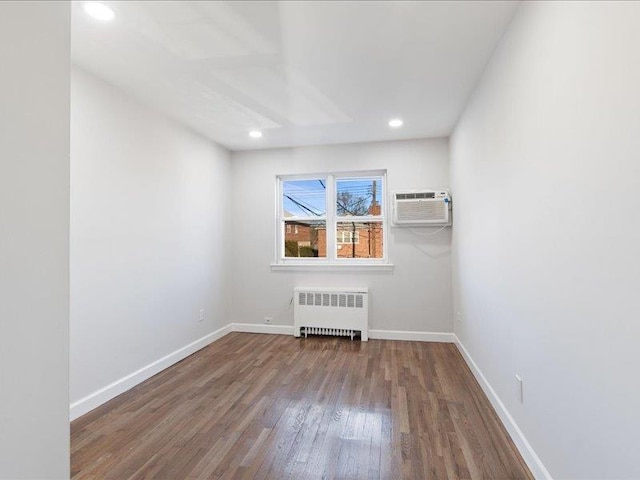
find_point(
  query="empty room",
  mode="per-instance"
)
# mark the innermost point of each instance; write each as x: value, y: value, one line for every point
x: 319, y: 240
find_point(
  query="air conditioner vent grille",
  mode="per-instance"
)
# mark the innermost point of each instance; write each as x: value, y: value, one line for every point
x: 415, y: 195
x: 421, y: 211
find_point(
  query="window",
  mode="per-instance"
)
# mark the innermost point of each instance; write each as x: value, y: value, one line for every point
x: 348, y: 236
x: 337, y: 218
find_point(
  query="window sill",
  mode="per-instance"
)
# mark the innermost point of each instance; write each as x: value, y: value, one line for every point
x: 332, y: 267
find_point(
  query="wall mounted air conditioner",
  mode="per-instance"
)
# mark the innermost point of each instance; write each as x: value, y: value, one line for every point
x: 421, y: 208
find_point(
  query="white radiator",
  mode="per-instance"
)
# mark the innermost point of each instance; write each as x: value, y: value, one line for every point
x: 331, y: 311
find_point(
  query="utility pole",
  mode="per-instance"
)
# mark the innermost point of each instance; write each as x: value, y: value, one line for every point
x: 374, y: 193
x: 372, y: 228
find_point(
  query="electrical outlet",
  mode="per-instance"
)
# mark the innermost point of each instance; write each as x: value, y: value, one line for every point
x: 520, y: 388
x: 268, y: 320
x: 459, y: 317
x: 201, y: 317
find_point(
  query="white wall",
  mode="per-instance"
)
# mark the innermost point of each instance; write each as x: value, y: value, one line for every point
x: 34, y: 240
x: 546, y: 177
x: 149, y: 225
x: 416, y: 296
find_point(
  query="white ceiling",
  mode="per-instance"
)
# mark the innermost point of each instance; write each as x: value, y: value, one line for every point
x: 305, y: 73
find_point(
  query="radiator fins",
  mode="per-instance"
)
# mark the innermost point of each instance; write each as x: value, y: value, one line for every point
x: 336, y: 332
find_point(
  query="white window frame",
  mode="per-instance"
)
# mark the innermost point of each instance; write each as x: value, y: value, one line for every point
x: 331, y: 219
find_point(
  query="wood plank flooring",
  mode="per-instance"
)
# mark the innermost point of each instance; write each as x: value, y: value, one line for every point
x: 254, y: 406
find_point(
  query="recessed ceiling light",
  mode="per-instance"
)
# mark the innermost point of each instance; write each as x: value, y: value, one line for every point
x: 395, y: 123
x: 255, y: 134
x: 99, y: 11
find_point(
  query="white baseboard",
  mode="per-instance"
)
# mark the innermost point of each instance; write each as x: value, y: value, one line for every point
x: 262, y: 328
x: 412, y: 336
x: 522, y: 444
x: 114, y: 389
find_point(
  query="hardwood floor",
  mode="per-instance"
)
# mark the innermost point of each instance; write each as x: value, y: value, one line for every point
x: 275, y: 407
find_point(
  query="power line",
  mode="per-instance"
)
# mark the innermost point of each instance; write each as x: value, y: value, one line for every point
x: 302, y: 207
x: 309, y: 206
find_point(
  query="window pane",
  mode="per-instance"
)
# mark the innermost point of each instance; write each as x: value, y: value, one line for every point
x: 359, y: 197
x: 305, y: 239
x: 359, y: 239
x: 304, y: 198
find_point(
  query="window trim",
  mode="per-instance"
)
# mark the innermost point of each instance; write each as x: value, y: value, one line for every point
x: 331, y: 219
